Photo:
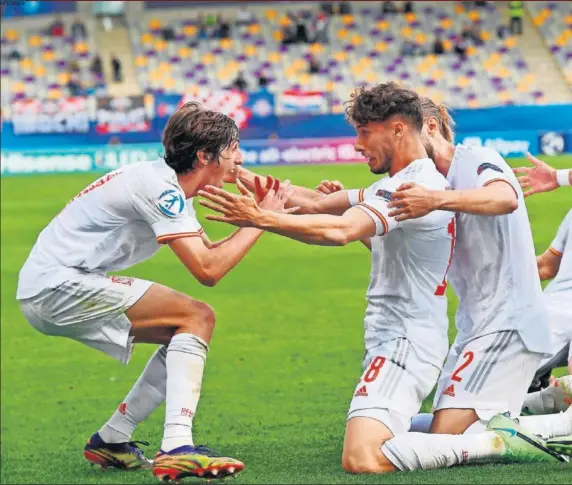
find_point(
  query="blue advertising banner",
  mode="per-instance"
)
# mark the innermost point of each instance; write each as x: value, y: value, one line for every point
x: 507, y: 143
x: 21, y: 8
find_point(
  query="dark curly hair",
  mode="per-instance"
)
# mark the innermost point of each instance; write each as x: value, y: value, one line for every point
x: 381, y: 103
x: 194, y: 128
x: 441, y: 112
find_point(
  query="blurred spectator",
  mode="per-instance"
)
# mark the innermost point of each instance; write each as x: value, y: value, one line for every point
x: 240, y: 83
x: 73, y: 66
x: 516, y: 12
x: 78, y: 30
x: 327, y: 8
x: 263, y: 81
x: 314, y: 65
x: 345, y: 8
x: 288, y: 34
x: 501, y: 31
x: 472, y: 33
x: 408, y: 7
x: 411, y: 48
x: 388, y: 7
x: 56, y: 29
x: 117, y: 69
x: 223, y: 30
x: 481, y: 4
x: 321, y: 28
x: 74, y: 85
x: 460, y: 48
x: 301, y: 30
x: 96, y: 66
x: 168, y: 33
x: 14, y: 55
x: 438, y: 47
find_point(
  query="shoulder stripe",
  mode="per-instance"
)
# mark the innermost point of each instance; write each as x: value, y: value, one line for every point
x: 488, y: 182
x: 360, y: 195
x: 555, y: 251
x: 380, y: 216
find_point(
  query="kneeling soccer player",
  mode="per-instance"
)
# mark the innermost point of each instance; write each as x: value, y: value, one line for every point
x: 120, y: 220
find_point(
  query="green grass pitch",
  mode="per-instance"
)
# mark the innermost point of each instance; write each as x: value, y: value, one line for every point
x: 281, y: 371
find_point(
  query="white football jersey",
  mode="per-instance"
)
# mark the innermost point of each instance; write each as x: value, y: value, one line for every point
x: 119, y: 220
x: 494, y: 271
x: 560, y: 288
x: 410, y: 259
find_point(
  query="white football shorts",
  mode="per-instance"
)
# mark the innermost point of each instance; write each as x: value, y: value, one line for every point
x: 560, y: 318
x: 394, y: 384
x: 490, y: 374
x: 89, y: 308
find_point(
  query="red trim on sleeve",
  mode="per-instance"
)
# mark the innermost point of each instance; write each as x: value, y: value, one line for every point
x: 380, y: 216
x: 555, y: 251
x: 501, y: 180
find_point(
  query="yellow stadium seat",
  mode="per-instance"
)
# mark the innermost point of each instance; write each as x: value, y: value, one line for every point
x: 298, y: 64
x: 446, y: 23
x: 190, y: 30
x: 184, y: 52
x: 330, y: 86
x: 80, y: 48
x: 474, y: 103
x: 63, y: 78
x: 347, y: 19
x: 48, y: 56
x: 154, y: 24
x: 225, y: 44
x: 278, y: 35
x: 430, y: 59
x: 40, y: 71
x: 305, y: 78
x: 340, y: 56
x: 503, y: 72
x: 270, y: 15
x: 510, y: 42
x: 473, y: 15
x: 316, y: 48
x: 504, y: 95
x: 338, y: 108
x: 382, y: 25
x: 410, y: 17
x: 146, y: 38
x: 561, y: 41
x: 420, y: 38
x: 26, y: 64
x: 406, y: 31
x: 357, y: 39
x: 140, y: 61
x: 463, y: 81
x: 208, y: 59
x: 35, y: 41
x: 371, y: 77
x: 160, y: 45
x: 343, y: 34
x: 485, y: 35
x: 54, y: 94
x: 365, y: 61
x: 249, y: 50
x: 357, y: 69
x: 380, y: 46
x: 165, y: 67
x: 254, y: 29
x: 284, y: 21
x: 447, y: 45
x: 569, y: 19
x: 18, y: 87
x: 274, y: 57
x: 539, y: 20
x: 459, y: 9
x: 471, y: 50
x: 169, y: 83
x: 437, y: 74
x: 422, y: 68
x: 155, y: 75
x: 529, y: 77
x: 12, y: 35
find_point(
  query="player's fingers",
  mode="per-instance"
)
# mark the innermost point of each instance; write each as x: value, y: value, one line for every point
x: 276, y: 185
x: 403, y: 217
x: 405, y: 186
x: 258, y: 190
x: 211, y: 189
x: 529, y: 192
x: 292, y: 210
x: 216, y: 199
x: 397, y: 212
x: 522, y: 170
x: 212, y: 206
x: 243, y: 190
x: 535, y: 161
x: 524, y: 181
x: 269, y: 182
x: 213, y: 217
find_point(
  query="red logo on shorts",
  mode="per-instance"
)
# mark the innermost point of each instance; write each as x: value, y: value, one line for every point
x: 362, y: 391
x: 123, y: 408
x: 465, y: 456
x: 187, y: 412
x: 124, y: 280
x: 450, y: 391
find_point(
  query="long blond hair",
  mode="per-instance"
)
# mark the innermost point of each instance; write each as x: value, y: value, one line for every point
x: 441, y: 112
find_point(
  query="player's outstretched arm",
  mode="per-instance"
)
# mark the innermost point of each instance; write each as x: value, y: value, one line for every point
x: 548, y: 264
x: 210, y: 262
x: 321, y: 229
x: 541, y: 177
x: 411, y: 200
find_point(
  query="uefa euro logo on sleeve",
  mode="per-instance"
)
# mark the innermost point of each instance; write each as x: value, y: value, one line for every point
x: 171, y: 203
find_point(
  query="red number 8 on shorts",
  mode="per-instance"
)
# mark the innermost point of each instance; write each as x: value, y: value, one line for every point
x: 373, y: 369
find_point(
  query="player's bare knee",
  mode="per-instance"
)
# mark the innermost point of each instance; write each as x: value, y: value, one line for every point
x: 364, y: 459
x: 199, y: 318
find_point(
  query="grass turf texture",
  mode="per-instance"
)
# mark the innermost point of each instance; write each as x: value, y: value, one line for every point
x: 281, y: 371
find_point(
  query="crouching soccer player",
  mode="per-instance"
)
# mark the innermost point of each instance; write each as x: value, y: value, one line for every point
x: 405, y: 323
x: 120, y: 220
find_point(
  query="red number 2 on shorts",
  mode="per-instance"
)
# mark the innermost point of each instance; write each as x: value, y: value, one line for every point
x: 374, y: 368
x: 469, y: 356
x: 440, y: 291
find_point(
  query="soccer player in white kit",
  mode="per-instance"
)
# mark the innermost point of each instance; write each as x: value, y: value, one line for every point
x: 405, y: 323
x: 121, y: 219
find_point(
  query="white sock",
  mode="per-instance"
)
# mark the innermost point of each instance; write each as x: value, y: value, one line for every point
x: 186, y: 356
x: 554, y: 399
x: 145, y: 396
x: 549, y: 425
x: 421, y: 423
x: 420, y: 451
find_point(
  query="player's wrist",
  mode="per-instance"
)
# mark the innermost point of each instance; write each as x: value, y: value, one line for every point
x: 438, y: 199
x: 563, y: 177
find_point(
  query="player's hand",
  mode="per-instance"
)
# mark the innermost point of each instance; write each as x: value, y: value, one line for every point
x: 411, y: 201
x: 260, y: 191
x: 328, y: 187
x: 276, y: 200
x: 539, y: 178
